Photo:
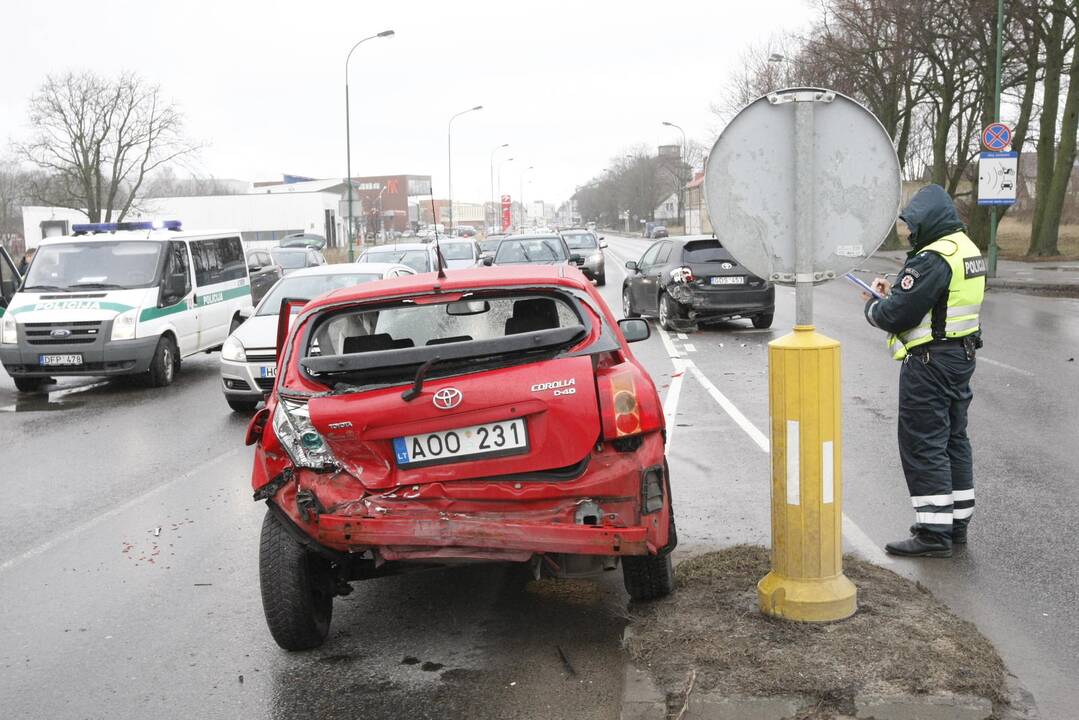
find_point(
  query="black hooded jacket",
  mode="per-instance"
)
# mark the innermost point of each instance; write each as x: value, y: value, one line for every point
x: 923, y: 282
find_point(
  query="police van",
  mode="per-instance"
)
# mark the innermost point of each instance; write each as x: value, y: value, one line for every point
x: 124, y: 299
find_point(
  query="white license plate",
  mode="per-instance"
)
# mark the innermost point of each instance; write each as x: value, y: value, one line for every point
x: 729, y: 280
x: 509, y: 437
x: 268, y: 371
x: 52, y: 360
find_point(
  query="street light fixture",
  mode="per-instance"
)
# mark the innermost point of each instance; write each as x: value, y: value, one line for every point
x: 348, y: 136
x: 681, y: 178
x: 449, y: 155
x: 494, y: 200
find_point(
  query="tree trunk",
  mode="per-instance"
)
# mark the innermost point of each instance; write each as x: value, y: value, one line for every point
x: 1062, y: 167
x: 1054, y: 65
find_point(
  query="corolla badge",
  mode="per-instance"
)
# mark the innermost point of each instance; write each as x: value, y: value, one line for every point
x: 447, y: 398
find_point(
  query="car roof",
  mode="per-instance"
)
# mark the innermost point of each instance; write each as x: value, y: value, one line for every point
x: 348, y: 269
x: 495, y: 277
x: 400, y: 246
x: 534, y: 236
x: 134, y: 235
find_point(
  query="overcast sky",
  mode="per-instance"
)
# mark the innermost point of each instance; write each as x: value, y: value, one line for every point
x: 568, y: 84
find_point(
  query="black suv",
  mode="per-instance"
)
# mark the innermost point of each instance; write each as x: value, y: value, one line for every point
x: 693, y: 280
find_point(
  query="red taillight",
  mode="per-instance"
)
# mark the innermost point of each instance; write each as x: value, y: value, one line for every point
x: 628, y: 406
x: 682, y: 274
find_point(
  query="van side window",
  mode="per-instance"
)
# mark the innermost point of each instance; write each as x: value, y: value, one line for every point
x: 230, y: 251
x: 9, y: 280
x: 207, y: 262
x: 177, y: 263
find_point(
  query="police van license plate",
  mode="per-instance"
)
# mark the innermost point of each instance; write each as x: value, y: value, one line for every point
x: 509, y: 437
x: 729, y: 280
x: 268, y: 371
x: 59, y: 360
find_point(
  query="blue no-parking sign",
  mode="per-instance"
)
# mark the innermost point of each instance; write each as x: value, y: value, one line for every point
x: 997, y: 136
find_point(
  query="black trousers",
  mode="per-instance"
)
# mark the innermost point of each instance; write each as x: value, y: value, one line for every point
x: 934, y: 395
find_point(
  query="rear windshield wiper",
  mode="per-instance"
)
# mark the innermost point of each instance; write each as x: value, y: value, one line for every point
x: 417, y: 384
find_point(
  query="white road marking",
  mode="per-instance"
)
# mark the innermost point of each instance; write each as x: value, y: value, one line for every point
x: 690, y: 347
x: 1005, y: 366
x: 109, y: 514
x: 674, y: 390
x: 854, y: 534
x: 683, y: 336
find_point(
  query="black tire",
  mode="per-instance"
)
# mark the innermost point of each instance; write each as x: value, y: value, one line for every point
x: 669, y: 312
x: 648, y: 577
x: 627, y: 304
x: 297, y: 588
x: 763, y: 321
x: 601, y: 279
x: 165, y: 363
x: 29, y: 384
x: 242, y: 406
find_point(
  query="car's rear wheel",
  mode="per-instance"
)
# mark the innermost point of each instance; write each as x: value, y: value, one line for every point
x: 29, y: 384
x: 763, y: 321
x: 165, y: 363
x: 242, y: 405
x: 627, y: 304
x: 669, y: 312
x: 297, y: 588
x: 648, y: 577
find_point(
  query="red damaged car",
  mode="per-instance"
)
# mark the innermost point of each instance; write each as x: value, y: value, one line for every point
x: 493, y: 415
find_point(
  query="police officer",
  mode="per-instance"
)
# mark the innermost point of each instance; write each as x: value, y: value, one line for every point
x: 932, y: 317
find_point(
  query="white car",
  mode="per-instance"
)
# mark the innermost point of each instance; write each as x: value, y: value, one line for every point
x: 249, y: 355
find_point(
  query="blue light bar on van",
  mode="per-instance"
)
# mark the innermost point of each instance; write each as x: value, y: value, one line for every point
x: 84, y: 228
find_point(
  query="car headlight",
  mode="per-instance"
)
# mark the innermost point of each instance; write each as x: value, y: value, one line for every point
x: 303, y: 443
x: 596, y: 257
x: 10, y: 335
x: 233, y: 350
x: 123, y: 326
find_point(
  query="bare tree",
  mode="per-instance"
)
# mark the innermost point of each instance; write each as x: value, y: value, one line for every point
x: 14, y: 189
x: 97, y: 139
x: 166, y: 183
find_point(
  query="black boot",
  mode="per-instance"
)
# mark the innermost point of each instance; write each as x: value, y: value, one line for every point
x: 959, y: 532
x: 922, y: 544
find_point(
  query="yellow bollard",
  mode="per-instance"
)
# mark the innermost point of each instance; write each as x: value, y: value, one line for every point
x: 807, y: 581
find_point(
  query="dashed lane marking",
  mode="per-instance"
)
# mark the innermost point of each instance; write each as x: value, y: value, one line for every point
x: 1006, y: 366
x: 690, y: 347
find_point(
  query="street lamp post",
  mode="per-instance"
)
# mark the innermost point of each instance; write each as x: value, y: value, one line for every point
x: 348, y: 136
x: 381, y: 215
x: 521, y: 198
x: 494, y: 200
x: 499, y: 172
x: 449, y: 155
x: 681, y: 178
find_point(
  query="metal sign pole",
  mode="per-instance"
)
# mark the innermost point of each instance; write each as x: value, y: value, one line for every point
x: 996, y: 118
x: 803, y: 213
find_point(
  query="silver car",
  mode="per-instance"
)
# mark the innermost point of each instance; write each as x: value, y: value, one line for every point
x: 249, y: 355
x: 587, y: 245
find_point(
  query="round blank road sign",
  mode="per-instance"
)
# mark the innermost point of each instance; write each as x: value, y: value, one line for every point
x: 750, y: 185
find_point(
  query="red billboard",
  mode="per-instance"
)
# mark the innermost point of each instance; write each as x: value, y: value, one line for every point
x: 507, y: 213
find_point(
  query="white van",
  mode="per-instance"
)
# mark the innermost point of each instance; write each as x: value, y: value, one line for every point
x: 123, y: 299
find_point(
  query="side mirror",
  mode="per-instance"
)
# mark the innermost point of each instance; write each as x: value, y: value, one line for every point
x: 634, y: 330
x: 630, y: 265
x: 576, y: 259
x: 253, y: 267
x: 488, y: 260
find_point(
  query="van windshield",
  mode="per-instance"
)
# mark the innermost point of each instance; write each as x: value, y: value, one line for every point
x: 98, y: 265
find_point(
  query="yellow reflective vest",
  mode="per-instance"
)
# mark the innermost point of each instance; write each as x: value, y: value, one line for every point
x: 965, y: 293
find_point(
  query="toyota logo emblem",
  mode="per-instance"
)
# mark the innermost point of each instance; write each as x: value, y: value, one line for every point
x: 447, y: 398
x: 726, y: 266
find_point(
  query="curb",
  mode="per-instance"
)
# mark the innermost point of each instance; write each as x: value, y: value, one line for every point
x: 1035, y: 288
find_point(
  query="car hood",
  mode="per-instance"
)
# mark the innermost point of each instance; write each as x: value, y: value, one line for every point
x: 259, y: 331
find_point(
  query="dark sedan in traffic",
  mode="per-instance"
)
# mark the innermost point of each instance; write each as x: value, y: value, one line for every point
x: 693, y: 280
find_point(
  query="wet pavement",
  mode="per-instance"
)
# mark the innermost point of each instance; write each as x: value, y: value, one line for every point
x: 128, y: 539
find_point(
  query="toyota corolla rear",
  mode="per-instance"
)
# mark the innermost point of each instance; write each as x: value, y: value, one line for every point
x: 497, y: 416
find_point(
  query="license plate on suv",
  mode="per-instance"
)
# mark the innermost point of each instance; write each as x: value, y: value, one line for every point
x: 59, y: 360
x: 509, y: 437
x: 729, y: 280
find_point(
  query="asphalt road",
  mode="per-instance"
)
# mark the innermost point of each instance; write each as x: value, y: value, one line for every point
x: 103, y: 616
